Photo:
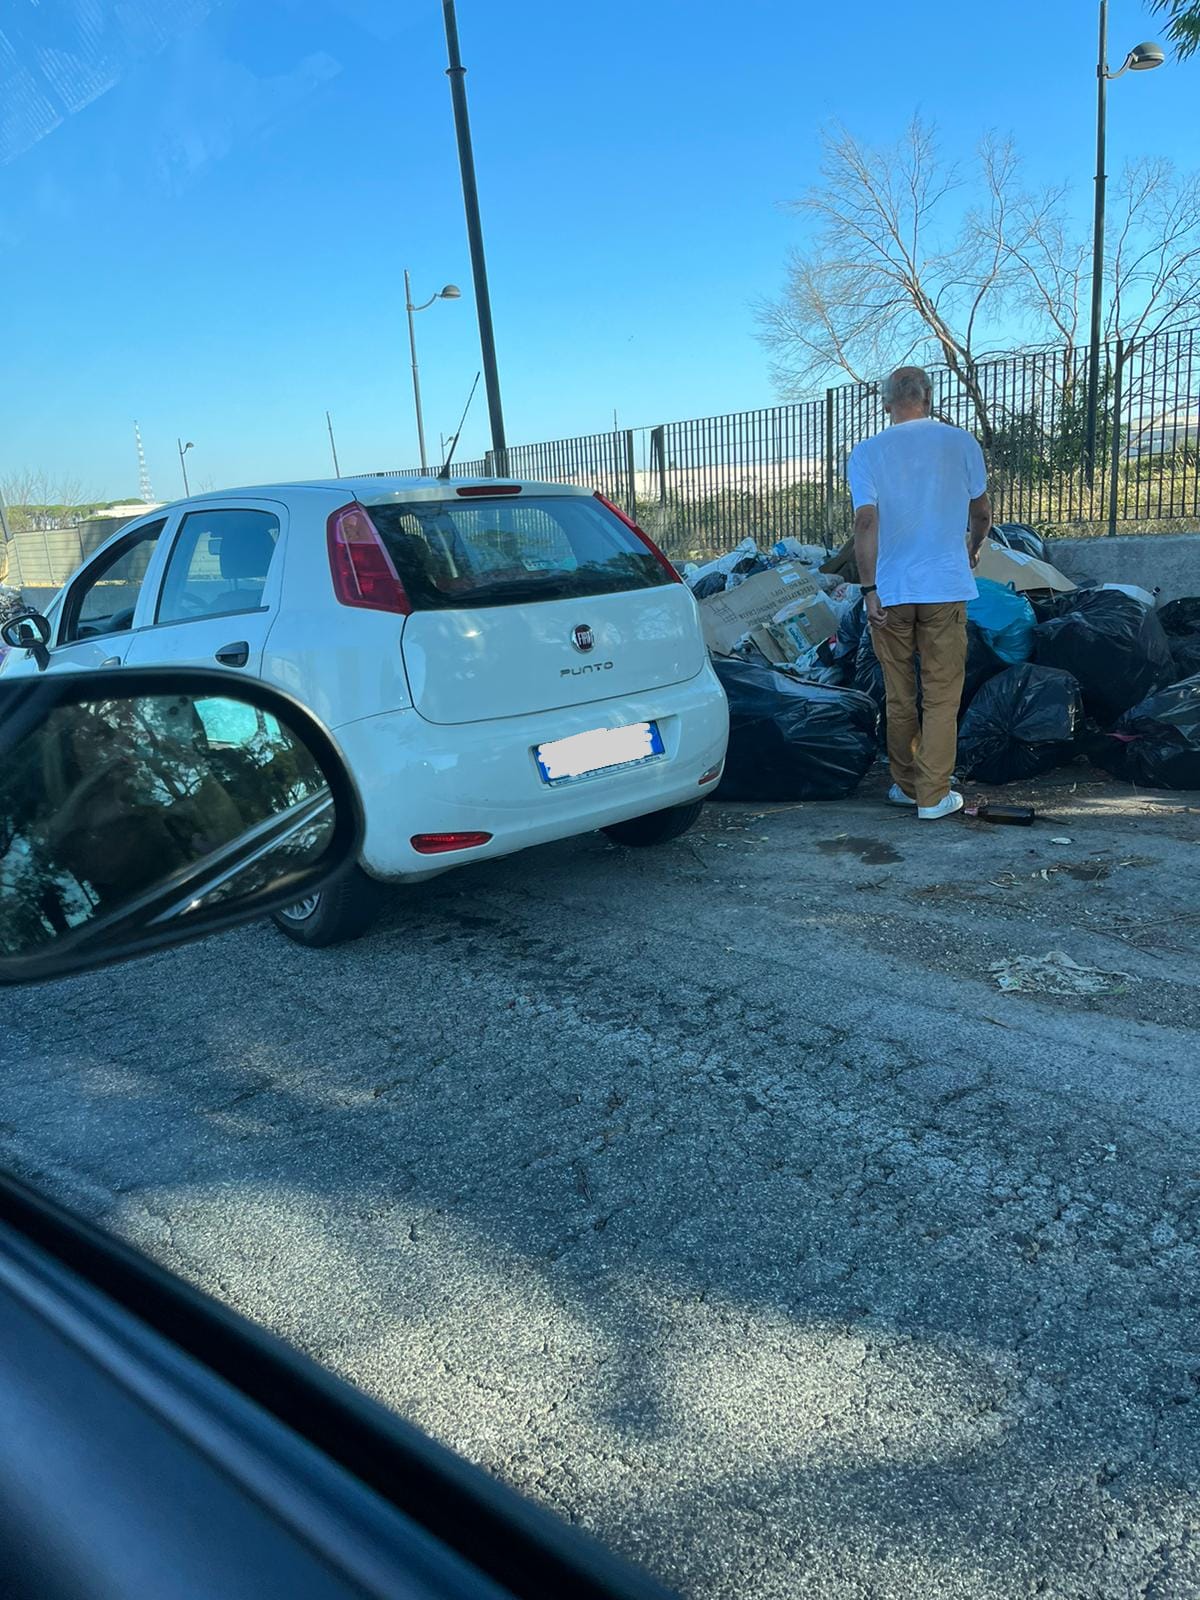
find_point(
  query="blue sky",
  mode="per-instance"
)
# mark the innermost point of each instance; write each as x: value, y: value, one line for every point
x: 214, y: 243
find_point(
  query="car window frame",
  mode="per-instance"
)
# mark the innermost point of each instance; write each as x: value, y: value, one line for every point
x: 128, y: 535
x: 271, y: 588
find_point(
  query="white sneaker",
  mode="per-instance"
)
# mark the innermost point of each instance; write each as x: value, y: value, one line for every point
x: 897, y: 797
x: 944, y: 808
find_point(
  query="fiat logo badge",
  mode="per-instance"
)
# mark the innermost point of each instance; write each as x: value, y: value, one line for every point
x: 583, y: 638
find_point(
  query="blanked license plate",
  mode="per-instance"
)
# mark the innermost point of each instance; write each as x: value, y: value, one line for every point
x: 599, y: 750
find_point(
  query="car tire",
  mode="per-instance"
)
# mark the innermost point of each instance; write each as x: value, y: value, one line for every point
x: 657, y: 828
x: 333, y: 915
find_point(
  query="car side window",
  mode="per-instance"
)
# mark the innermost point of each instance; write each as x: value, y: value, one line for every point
x: 103, y: 599
x: 219, y: 564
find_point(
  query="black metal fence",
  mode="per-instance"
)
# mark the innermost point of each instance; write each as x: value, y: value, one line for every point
x: 701, y: 486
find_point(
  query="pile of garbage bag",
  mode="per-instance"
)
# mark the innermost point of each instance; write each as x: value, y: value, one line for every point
x: 1039, y: 663
x: 1022, y: 723
x: 791, y: 740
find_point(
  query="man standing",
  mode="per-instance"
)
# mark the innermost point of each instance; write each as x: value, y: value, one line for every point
x: 917, y: 487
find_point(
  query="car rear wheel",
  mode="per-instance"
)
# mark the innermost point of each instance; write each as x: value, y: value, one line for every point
x: 657, y: 828
x: 333, y: 915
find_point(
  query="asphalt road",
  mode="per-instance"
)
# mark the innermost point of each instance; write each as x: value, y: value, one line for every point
x: 715, y: 1196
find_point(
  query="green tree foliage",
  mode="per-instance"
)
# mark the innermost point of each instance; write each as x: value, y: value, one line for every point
x: 1183, y: 28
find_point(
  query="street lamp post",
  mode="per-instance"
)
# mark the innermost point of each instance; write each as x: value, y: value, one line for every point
x: 457, y: 74
x: 1140, y: 59
x: 183, y: 450
x: 448, y: 293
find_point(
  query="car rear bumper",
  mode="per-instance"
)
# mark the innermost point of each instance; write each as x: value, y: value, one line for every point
x: 420, y: 777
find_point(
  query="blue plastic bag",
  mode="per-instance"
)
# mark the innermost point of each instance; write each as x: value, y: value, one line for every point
x: 1006, y: 620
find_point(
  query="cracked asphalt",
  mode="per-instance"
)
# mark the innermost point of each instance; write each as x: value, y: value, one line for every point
x: 715, y: 1196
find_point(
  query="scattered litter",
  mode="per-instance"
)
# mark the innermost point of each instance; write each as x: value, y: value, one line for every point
x: 1010, y: 816
x: 1061, y: 839
x: 1055, y: 973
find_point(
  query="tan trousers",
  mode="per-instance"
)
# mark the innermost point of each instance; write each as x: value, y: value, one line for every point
x: 922, y: 750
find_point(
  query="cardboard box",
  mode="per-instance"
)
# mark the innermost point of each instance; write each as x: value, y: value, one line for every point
x: 1002, y: 565
x: 726, y: 617
x: 780, y: 652
x: 808, y: 621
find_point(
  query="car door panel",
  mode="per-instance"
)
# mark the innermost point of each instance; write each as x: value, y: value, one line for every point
x: 78, y: 642
x: 193, y: 578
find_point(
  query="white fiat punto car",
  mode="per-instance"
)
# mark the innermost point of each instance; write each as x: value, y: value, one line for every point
x: 502, y: 663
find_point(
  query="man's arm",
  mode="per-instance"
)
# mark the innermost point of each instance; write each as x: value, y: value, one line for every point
x: 866, y: 555
x: 980, y: 524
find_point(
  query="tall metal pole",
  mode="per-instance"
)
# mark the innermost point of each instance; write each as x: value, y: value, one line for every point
x: 337, y: 471
x: 1093, y: 380
x: 466, y: 160
x: 412, y: 345
x: 183, y: 467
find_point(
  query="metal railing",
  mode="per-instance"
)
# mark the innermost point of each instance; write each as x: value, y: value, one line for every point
x: 701, y: 486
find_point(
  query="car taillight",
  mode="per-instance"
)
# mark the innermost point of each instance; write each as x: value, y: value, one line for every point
x: 663, y: 560
x: 362, y: 570
x: 437, y: 844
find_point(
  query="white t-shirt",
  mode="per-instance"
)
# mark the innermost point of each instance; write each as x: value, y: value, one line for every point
x: 921, y: 475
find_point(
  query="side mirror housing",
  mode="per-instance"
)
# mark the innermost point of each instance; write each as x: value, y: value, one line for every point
x: 145, y: 808
x: 29, y: 630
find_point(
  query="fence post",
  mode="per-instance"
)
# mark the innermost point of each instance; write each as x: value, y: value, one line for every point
x: 658, y: 460
x: 829, y: 469
x: 1115, y: 445
x: 630, y: 475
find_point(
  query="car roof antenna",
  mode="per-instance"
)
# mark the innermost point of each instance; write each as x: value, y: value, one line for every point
x: 445, y: 472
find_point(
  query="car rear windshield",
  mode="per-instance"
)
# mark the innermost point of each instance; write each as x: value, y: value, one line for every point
x: 452, y: 554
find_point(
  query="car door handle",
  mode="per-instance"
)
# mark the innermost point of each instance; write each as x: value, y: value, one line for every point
x: 234, y: 655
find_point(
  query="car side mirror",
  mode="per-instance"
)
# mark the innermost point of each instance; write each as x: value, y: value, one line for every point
x: 29, y: 630
x: 143, y: 809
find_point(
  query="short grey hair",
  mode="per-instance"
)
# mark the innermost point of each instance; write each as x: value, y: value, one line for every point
x: 908, y: 386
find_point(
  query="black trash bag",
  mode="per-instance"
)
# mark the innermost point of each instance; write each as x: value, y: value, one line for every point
x: 1022, y: 723
x: 982, y: 663
x: 711, y: 583
x: 851, y: 628
x: 1045, y: 603
x: 1018, y: 537
x: 1185, y: 653
x: 1157, y: 742
x: 1110, y: 642
x: 1180, y: 618
x: 843, y: 665
x: 790, y: 740
x: 868, y: 680
x: 748, y: 566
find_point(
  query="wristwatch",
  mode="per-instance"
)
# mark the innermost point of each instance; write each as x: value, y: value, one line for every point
x: 869, y: 588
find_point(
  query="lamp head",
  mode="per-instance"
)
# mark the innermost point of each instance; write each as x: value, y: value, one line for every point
x: 452, y: 292
x: 1143, y: 57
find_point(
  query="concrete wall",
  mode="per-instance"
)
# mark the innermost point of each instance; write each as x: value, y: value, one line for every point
x: 1168, y: 562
